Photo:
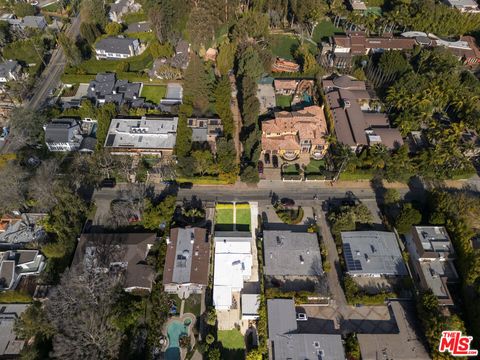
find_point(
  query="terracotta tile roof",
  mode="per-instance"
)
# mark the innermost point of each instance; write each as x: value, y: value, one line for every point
x: 285, y: 84
x: 294, y: 127
x: 282, y: 65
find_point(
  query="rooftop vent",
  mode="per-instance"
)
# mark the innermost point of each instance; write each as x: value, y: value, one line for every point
x: 302, y: 261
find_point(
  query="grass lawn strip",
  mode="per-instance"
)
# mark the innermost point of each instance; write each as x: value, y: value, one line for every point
x: 224, y: 217
x: 243, y: 217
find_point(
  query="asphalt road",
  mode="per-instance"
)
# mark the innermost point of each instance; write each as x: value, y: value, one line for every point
x: 301, y: 193
x: 50, y: 77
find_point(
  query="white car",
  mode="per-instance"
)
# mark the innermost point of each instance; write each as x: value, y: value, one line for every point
x: 302, y: 317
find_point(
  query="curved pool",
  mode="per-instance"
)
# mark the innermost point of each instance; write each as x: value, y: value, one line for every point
x: 174, y: 331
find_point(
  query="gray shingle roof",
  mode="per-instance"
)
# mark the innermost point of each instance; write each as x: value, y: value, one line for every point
x: 7, y: 67
x: 115, y: 45
x: 282, y: 318
x: 58, y: 131
x: 290, y: 253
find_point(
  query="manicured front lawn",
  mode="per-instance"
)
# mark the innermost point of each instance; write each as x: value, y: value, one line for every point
x: 291, y: 170
x: 283, y: 101
x: 153, y: 93
x: 231, y: 339
x: 284, y: 45
x: 315, y: 167
x: 323, y: 30
x: 224, y: 217
x: 243, y: 219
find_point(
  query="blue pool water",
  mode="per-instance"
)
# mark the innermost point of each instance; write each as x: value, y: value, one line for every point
x: 174, y: 331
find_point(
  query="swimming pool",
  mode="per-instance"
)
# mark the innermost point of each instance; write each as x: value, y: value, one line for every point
x: 174, y: 331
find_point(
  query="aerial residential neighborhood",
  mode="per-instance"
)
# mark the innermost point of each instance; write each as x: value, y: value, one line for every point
x: 239, y: 180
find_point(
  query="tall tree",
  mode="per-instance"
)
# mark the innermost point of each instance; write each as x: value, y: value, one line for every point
x: 222, y: 104
x: 80, y: 310
x: 71, y: 50
x: 94, y: 11
x: 197, y: 84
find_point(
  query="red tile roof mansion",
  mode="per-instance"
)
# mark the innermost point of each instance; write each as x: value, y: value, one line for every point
x: 296, y: 132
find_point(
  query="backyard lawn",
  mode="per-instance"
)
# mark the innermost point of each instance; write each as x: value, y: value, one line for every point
x: 153, y: 93
x: 323, y: 30
x: 131, y: 18
x: 232, y: 344
x: 283, y: 101
x: 284, y: 45
x: 224, y: 217
x: 193, y: 304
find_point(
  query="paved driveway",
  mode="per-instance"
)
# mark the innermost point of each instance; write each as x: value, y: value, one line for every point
x: 345, y: 319
x: 335, y: 273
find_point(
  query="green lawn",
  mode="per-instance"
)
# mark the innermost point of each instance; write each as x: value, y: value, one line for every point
x: 153, y: 93
x: 283, y: 101
x: 22, y: 50
x: 243, y: 219
x: 290, y: 170
x: 131, y: 18
x: 323, y: 30
x: 52, y: 7
x: 144, y: 37
x: 284, y: 45
x: 136, y: 63
x: 315, y: 167
x: 359, y: 174
x: 231, y: 339
x: 224, y: 219
x: 193, y: 304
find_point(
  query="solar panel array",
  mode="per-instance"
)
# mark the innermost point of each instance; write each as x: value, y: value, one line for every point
x: 352, y: 265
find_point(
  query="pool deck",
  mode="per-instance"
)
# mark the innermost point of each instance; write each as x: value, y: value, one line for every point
x: 193, y: 318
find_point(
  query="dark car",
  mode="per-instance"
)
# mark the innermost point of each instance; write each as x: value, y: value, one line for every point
x: 267, y: 159
x: 108, y: 183
x: 287, y: 202
x: 275, y: 161
x: 260, y: 167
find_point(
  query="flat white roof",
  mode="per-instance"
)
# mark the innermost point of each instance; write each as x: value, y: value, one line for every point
x: 233, y: 265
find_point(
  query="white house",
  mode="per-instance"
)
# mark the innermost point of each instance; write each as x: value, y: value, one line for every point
x: 117, y: 48
x: 63, y: 135
x: 233, y: 266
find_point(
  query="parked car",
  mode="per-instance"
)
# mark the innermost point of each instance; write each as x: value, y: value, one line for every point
x: 287, y: 202
x: 267, y: 159
x: 302, y: 317
x: 108, y: 183
x: 260, y: 167
x: 275, y: 161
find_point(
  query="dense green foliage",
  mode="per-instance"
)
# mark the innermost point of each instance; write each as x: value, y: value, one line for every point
x: 434, y: 322
x: 460, y: 213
